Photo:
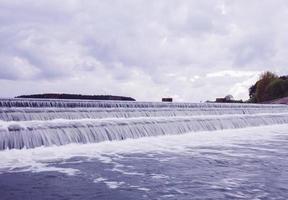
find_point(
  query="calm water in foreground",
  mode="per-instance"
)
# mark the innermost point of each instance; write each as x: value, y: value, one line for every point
x: 232, y: 164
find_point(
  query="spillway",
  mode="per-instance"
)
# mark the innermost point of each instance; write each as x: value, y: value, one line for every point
x: 30, y: 123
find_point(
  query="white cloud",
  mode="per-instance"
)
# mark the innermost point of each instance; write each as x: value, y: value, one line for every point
x: 191, y: 50
x: 237, y: 74
x: 239, y: 90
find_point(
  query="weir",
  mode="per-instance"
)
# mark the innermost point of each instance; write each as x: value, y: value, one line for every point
x: 30, y: 123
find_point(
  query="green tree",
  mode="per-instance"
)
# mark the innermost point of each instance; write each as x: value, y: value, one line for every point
x: 265, y: 79
x: 285, y: 86
x: 276, y: 89
x: 252, y: 93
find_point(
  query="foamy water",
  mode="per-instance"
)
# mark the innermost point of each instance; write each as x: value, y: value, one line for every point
x: 231, y: 164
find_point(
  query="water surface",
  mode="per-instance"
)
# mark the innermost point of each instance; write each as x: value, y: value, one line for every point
x: 247, y: 163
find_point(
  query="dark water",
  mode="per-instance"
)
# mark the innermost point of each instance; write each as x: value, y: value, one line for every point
x: 246, y: 164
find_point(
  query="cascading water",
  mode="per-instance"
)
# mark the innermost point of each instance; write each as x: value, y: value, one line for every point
x: 30, y: 123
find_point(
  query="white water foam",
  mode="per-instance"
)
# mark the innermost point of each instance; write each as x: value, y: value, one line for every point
x: 40, y: 159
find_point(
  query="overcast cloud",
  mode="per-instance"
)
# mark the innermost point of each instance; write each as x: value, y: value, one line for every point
x: 192, y: 50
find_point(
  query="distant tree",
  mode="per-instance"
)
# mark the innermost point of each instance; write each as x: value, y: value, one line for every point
x: 276, y: 89
x: 76, y: 96
x: 284, y: 77
x: 229, y: 97
x: 252, y: 93
x: 252, y: 90
x: 286, y: 88
x: 261, y: 89
x: 268, y: 87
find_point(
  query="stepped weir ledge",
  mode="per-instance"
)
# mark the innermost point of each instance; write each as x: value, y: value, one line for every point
x: 31, y: 123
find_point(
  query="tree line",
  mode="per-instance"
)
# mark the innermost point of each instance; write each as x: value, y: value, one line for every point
x: 77, y: 96
x: 269, y: 87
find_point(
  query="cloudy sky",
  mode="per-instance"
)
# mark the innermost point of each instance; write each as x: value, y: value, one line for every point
x: 192, y: 50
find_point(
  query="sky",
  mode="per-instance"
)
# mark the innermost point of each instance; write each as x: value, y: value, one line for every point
x: 191, y: 50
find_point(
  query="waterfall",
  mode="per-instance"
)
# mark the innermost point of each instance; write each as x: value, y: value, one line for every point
x: 30, y: 123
